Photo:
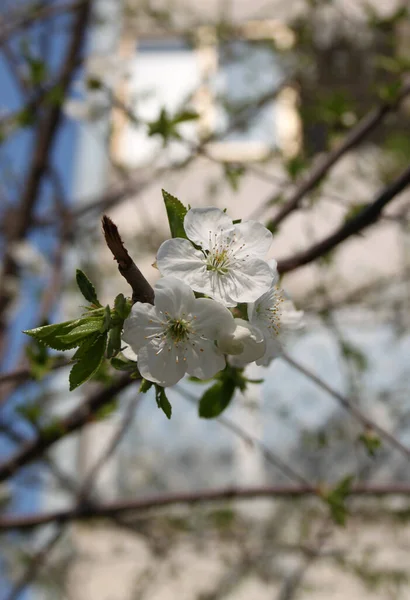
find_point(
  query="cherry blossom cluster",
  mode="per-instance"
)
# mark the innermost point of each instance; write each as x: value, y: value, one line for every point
x: 218, y: 272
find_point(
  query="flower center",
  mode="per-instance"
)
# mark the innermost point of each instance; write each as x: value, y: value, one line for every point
x: 219, y: 256
x: 272, y: 314
x: 178, y: 329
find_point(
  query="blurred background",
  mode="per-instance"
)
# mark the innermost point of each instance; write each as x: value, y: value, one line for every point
x: 294, y: 113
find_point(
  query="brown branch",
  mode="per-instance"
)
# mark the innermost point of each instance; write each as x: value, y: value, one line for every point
x: 111, y: 509
x: 141, y: 289
x: 49, y: 435
x: 367, y: 216
x: 355, y: 137
x: 43, y: 145
x: 15, y: 24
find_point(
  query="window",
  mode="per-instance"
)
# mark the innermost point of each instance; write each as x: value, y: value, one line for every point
x: 164, y: 74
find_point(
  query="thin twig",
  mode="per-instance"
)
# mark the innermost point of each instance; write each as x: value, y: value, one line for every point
x: 348, y: 406
x: 366, y: 217
x: 36, y: 562
x: 55, y: 431
x: 354, y: 137
x: 268, y: 454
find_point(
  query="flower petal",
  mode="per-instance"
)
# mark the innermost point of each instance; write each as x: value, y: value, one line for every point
x: 212, y: 320
x: 248, y: 339
x: 165, y: 367
x: 252, y: 240
x: 273, y: 350
x: 201, y: 223
x: 142, y: 323
x: 247, y: 280
x: 173, y: 296
x: 204, y: 360
x: 178, y: 258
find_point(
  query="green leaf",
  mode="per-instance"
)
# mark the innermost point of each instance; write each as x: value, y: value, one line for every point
x: 354, y: 211
x: 50, y: 335
x: 106, y: 410
x: 87, y: 327
x: 106, y: 324
x: 86, y: 345
x: 185, y: 115
x: 233, y: 174
x: 86, y: 288
x: 371, y: 442
x: 162, y: 401
x: 122, y: 306
x: 336, y: 499
x: 176, y: 212
x: 38, y: 71
x: 26, y: 117
x: 31, y: 412
x: 39, y: 359
x: 355, y: 355
x: 114, y: 341
x: 216, y: 399
x: 89, y: 362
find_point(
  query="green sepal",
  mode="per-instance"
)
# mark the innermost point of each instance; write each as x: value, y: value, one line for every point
x: 145, y: 386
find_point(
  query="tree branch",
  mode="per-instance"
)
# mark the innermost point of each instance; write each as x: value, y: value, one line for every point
x: 43, y: 144
x: 141, y: 289
x: 355, y: 137
x: 367, y: 216
x: 110, y: 509
x: 55, y: 431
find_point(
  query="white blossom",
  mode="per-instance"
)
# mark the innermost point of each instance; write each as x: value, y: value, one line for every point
x: 271, y: 314
x: 177, y: 335
x: 245, y: 345
x: 227, y: 263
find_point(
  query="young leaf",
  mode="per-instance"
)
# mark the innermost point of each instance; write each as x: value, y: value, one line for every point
x: 122, y: 306
x: 86, y: 288
x: 87, y: 327
x: 89, y: 362
x: 51, y: 335
x: 162, y: 401
x: 216, y: 399
x: 336, y: 499
x: 114, y: 341
x: 176, y: 212
x: 106, y: 323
